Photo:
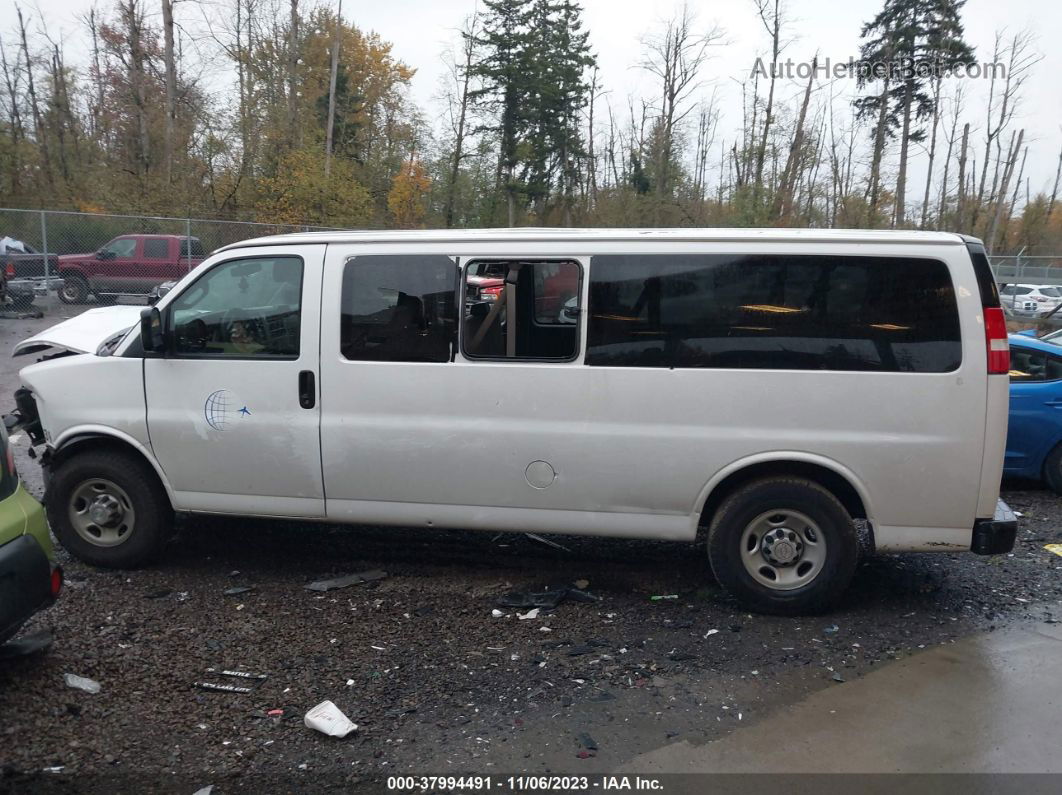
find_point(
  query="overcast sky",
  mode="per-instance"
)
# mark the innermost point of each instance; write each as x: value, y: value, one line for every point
x: 421, y: 29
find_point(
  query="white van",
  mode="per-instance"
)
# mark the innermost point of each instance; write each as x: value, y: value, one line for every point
x: 757, y: 389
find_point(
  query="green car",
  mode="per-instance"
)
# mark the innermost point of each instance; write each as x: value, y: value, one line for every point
x: 29, y: 577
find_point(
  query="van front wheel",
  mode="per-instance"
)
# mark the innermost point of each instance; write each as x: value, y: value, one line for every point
x: 108, y: 508
x: 784, y: 546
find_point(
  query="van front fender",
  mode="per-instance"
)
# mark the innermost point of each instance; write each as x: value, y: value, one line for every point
x: 81, y: 436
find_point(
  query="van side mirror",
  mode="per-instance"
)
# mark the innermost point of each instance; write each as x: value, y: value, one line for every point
x: 151, y: 337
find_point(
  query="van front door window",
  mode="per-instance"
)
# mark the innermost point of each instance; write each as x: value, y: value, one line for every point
x: 246, y: 308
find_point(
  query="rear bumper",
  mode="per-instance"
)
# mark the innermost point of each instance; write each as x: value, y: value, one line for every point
x: 996, y: 535
x: 33, y: 286
x: 25, y: 583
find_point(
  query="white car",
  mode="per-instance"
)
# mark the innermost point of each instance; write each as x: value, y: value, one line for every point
x: 756, y: 391
x: 1038, y: 299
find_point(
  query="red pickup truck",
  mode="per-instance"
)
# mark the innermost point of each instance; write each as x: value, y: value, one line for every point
x: 128, y: 265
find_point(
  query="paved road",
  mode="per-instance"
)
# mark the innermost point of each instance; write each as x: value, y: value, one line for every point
x: 437, y: 685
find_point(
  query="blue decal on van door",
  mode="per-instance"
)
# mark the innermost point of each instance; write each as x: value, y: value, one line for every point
x: 217, y: 407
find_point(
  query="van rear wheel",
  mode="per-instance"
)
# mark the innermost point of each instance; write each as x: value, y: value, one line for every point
x: 108, y: 508
x: 784, y: 546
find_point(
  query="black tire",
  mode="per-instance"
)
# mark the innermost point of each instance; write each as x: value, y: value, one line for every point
x: 75, y: 290
x: 153, y: 523
x: 1053, y: 470
x: 739, y: 512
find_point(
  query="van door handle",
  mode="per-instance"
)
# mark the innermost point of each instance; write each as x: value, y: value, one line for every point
x: 1055, y: 403
x: 307, y: 391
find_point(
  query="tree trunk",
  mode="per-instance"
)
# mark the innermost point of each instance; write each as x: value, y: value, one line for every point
x: 932, y: 154
x: 1054, y: 191
x: 960, y: 202
x: 459, y: 133
x: 783, y: 203
x: 905, y: 141
x: 293, y: 77
x: 332, y: 92
x: 1008, y: 169
x: 38, y: 123
x: 171, y: 85
x: 879, y: 150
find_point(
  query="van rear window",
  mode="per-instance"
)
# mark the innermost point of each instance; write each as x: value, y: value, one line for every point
x: 773, y: 312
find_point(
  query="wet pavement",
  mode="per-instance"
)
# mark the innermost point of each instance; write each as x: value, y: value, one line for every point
x: 439, y: 685
x: 987, y: 704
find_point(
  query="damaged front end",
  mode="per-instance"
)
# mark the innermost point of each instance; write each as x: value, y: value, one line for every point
x: 25, y: 418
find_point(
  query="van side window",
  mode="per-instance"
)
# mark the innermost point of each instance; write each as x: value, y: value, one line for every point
x: 773, y: 312
x: 522, y: 309
x: 242, y: 309
x: 398, y: 308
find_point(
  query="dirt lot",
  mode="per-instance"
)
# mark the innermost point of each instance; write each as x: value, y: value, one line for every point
x: 436, y: 684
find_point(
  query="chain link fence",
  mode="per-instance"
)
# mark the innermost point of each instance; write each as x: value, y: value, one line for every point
x: 1024, y: 269
x: 78, y: 256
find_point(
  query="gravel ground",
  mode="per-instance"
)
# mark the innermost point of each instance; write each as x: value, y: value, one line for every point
x: 436, y: 684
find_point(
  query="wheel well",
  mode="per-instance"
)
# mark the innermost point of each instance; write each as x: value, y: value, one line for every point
x: 836, y: 484
x: 100, y: 442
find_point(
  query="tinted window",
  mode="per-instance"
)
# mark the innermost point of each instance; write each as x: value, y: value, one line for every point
x: 121, y: 247
x: 522, y: 309
x: 398, y: 308
x: 780, y: 312
x: 197, y: 247
x: 245, y: 308
x: 1029, y: 365
x: 156, y: 248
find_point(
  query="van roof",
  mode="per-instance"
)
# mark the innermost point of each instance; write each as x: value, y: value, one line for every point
x: 538, y: 234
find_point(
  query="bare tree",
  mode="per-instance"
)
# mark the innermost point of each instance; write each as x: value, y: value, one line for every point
x: 38, y: 123
x: 1008, y: 170
x: 675, y: 57
x: 770, y: 14
x: 783, y: 203
x: 458, y: 107
x: 293, y: 76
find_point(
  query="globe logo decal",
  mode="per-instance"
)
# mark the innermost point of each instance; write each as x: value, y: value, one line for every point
x: 217, y: 408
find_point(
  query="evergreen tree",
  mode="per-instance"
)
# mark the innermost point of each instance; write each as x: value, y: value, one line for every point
x: 914, y: 40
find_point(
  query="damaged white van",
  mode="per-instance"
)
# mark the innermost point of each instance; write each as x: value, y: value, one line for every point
x: 763, y: 391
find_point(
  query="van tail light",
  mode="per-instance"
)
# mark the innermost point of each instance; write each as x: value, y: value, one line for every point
x: 494, y: 291
x: 57, y: 581
x: 996, y: 341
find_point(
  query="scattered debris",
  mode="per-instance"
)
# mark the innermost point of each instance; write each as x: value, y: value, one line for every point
x: 348, y: 580
x: 547, y: 542
x: 584, y: 754
x: 328, y: 719
x: 1055, y: 548
x: 27, y: 644
x: 159, y: 594
x: 662, y: 598
x: 837, y: 677
x: 496, y: 613
x: 530, y: 614
x: 582, y: 585
x: 209, y: 788
x: 831, y: 629
x: 681, y: 656
x: 81, y: 683
x: 548, y: 596
x: 221, y: 688
x: 711, y: 632
x: 237, y: 590
x: 587, y: 742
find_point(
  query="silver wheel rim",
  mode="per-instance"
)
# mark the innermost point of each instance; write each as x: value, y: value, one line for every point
x: 101, y: 512
x: 783, y: 549
x: 72, y: 291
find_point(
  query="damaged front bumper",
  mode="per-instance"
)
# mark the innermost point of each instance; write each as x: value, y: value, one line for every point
x: 25, y: 417
x: 996, y: 535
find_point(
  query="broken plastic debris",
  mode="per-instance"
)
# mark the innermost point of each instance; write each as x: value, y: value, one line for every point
x: 547, y: 542
x: 831, y: 629
x: 82, y: 683
x: 328, y: 719
x: 711, y: 632
x: 222, y: 688
x: 209, y: 788
x: 587, y: 742
x: 496, y: 613
x: 27, y: 644
x: 663, y: 597
x: 348, y: 580
x: 237, y: 591
x: 547, y: 596
x: 1055, y: 548
x: 530, y: 614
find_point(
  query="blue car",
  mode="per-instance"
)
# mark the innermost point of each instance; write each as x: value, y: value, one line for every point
x: 1034, y: 435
